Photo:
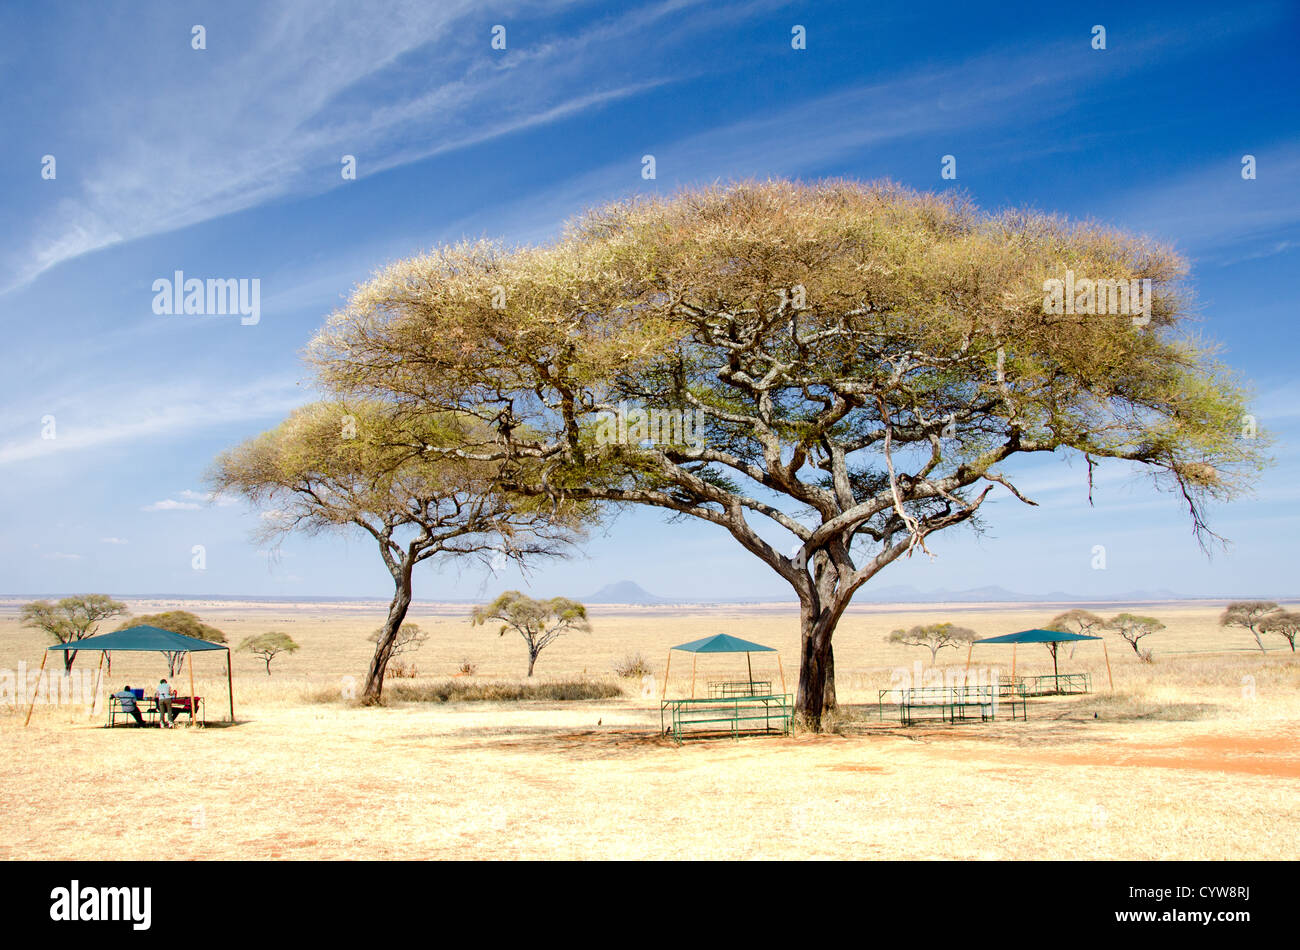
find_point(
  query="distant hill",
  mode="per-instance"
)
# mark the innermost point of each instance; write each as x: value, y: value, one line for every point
x: 625, y: 592
x: 630, y: 592
x: 995, y: 594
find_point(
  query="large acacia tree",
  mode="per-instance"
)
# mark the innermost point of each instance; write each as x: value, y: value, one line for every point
x: 70, y: 619
x: 336, y: 466
x: 177, y: 621
x: 865, y: 361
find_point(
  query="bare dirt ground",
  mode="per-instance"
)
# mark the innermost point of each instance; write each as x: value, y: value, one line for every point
x: 1194, y: 756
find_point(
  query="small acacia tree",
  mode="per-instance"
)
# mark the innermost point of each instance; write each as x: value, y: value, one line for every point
x: 1132, y: 628
x: 539, y: 622
x: 858, y: 364
x: 1284, y: 623
x: 409, y: 638
x: 332, y: 466
x: 934, y: 637
x: 1248, y: 614
x: 267, y: 646
x: 1074, y: 621
x: 70, y: 619
x: 177, y: 621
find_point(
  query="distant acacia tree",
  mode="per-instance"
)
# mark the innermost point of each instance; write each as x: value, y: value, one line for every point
x: 1132, y: 628
x: 934, y: 637
x: 1074, y: 621
x: 1248, y: 614
x: 409, y: 638
x: 1285, y: 623
x: 335, y: 466
x: 858, y: 365
x: 539, y: 622
x: 267, y: 646
x: 70, y: 619
x: 177, y: 621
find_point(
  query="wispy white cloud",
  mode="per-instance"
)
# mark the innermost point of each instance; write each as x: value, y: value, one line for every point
x: 113, y: 541
x: 170, y: 504
x: 312, y: 82
x: 208, y: 498
x: 100, y: 416
x: 993, y: 91
x: 1217, y: 214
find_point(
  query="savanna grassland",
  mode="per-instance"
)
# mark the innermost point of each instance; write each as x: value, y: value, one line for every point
x: 1196, y: 755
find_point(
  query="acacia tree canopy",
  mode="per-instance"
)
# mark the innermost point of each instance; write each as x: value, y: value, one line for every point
x: 71, y: 618
x: 934, y: 637
x: 1285, y: 623
x: 177, y: 621
x: 1132, y: 628
x: 1073, y: 621
x: 864, y: 361
x: 539, y: 622
x: 1248, y: 614
x: 267, y: 646
x: 409, y: 638
x: 335, y: 465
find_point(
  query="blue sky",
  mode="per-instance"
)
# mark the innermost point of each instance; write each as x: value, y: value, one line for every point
x: 225, y: 162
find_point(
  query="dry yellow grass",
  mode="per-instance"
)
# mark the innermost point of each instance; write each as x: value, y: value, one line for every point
x: 1180, y: 762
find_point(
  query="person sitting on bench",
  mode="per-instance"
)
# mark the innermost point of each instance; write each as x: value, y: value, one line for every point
x: 166, y: 710
x: 127, y: 699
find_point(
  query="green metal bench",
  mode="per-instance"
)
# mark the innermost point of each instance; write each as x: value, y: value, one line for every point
x: 726, y: 689
x: 1058, y: 684
x: 1010, y: 692
x: 725, y: 716
x: 961, y: 703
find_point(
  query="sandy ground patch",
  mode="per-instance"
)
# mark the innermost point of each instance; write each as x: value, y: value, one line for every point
x: 1193, y: 757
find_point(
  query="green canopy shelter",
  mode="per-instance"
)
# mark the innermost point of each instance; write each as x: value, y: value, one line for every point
x: 722, y: 643
x: 143, y: 639
x: 1042, y: 636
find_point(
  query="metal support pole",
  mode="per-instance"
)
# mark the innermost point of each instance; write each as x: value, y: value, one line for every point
x: 44, y: 655
x: 190, y: 656
x: 94, y: 696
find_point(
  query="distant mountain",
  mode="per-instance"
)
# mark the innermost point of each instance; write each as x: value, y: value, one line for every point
x: 625, y: 592
x: 630, y: 592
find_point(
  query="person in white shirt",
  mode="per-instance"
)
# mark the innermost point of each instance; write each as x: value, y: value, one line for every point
x: 166, y: 714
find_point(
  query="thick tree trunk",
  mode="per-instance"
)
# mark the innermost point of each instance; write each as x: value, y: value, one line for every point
x: 373, y: 692
x: 532, y: 659
x: 816, y: 695
x: 68, y: 657
x: 829, y: 703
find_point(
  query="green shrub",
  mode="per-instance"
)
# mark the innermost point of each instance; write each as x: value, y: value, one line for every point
x: 461, y: 691
x: 633, y: 666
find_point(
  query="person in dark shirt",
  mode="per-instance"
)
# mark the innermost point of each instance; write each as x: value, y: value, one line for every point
x: 127, y: 699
